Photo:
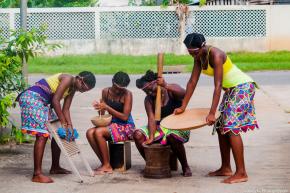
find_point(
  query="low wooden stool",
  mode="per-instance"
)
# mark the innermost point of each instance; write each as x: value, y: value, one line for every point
x: 120, y: 155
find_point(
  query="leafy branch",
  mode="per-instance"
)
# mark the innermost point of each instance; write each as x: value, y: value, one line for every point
x: 21, y: 44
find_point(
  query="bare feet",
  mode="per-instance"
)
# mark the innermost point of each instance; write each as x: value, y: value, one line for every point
x: 187, y: 172
x: 221, y: 172
x: 41, y: 179
x: 59, y: 171
x: 236, y: 178
x: 98, y: 168
x: 101, y: 172
x: 104, y: 170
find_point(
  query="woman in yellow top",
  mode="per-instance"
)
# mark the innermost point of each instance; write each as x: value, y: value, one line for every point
x: 237, y: 106
x: 36, y: 103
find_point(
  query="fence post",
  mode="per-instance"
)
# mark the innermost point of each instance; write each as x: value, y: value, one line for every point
x: 11, y: 21
x: 269, y: 34
x: 97, y: 24
x: 23, y: 24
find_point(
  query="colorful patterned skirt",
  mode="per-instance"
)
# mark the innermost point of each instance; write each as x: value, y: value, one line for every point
x: 34, y: 113
x: 237, y: 110
x: 162, y: 133
x: 121, y: 132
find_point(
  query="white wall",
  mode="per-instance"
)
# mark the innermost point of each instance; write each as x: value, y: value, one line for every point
x: 277, y: 36
x: 279, y: 28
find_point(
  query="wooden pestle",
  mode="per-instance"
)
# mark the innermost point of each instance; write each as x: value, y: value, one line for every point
x: 160, y: 57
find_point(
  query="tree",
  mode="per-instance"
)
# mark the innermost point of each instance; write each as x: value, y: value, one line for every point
x: 21, y: 43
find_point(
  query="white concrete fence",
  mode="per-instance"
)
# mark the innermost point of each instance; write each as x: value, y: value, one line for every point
x: 148, y: 30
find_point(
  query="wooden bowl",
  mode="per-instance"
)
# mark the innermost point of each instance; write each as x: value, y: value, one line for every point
x: 102, y: 121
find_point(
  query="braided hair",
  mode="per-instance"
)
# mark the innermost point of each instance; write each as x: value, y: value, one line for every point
x: 121, y: 79
x: 88, y: 78
x: 148, y: 77
x: 194, y: 40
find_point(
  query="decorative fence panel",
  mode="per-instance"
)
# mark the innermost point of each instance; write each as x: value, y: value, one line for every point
x: 228, y: 23
x: 73, y: 25
x: 139, y: 23
x: 4, y: 24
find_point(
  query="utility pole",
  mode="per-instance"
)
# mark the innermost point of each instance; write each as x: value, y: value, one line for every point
x: 23, y: 25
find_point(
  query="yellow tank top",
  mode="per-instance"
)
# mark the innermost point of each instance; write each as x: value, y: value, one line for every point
x: 232, y: 75
x: 53, y: 83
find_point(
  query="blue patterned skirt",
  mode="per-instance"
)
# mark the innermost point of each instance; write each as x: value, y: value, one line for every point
x: 35, y: 113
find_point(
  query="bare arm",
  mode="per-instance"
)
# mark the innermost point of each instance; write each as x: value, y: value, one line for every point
x: 66, y: 107
x: 177, y: 91
x: 151, y: 119
x: 65, y: 83
x: 217, y: 61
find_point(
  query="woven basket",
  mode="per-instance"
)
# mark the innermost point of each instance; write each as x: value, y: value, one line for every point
x: 102, y: 121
